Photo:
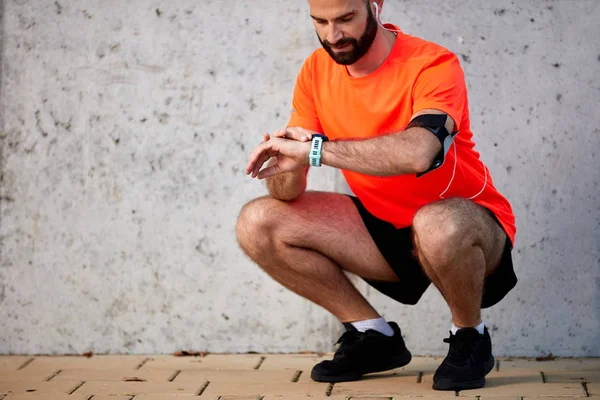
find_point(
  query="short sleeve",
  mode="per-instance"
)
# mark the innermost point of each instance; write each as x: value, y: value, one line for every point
x: 304, y: 113
x: 441, y: 85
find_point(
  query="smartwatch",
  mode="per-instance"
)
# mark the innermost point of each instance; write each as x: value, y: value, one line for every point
x: 316, y: 146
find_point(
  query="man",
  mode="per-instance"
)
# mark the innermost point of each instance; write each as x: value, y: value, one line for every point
x: 391, y: 111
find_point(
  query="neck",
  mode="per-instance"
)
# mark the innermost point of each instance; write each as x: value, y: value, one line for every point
x: 378, y: 52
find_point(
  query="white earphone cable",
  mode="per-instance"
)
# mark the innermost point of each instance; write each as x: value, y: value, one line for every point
x: 485, y: 174
x: 485, y: 170
x: 379, y: 21
x: 453, y: 172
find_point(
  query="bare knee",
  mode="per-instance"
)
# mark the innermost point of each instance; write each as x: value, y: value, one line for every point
x: 256, y: 225
x: 441, y: 230
x: 253, y: 226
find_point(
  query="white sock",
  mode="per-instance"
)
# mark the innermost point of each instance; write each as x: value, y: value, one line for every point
x: 479, y: 328
x: 378, y: 324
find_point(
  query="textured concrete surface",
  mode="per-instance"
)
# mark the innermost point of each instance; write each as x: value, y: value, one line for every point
x: 125, y: 128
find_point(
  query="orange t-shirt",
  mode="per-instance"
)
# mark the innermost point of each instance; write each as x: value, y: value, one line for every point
x: 416, y: 75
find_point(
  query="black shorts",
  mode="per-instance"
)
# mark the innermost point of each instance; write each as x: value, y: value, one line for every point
x: 396, y: 246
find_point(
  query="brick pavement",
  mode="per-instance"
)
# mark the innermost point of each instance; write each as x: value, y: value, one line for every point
x: 275, y: 377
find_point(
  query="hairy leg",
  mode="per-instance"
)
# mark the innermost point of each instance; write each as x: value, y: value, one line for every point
x: 458, y: 243
x: 306, y: 244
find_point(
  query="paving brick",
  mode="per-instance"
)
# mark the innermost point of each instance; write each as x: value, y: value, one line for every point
x: 23, y: 376
x: 112, y: 397
x: 260, y: 389
x: 183, y: 397
x: 235, y: 376
x: 433, y: 396
x: 242, y: 397
x: 177, y: 397
x: 291, y: 397
x: 506, y: 375
x: 518, y: 372
x: 47, y: 365
x: 33, y: 396
x: 510, y: 387
x: 517, y: 375
x: 137, y: 388
x: 292, y: 361
x: 13, y: 363
x: 420, y: 397
x: 162, y: 397
x: 572, y: 376
x: 117, y: 375
x: 567, y: 364
x: 304, y: 376
x: 499, y: 398
x: 423, y: 364
x: 211, y: 361
x: 187, y: 397
x: 368, y: 398
x: 552, y: 398
x: 387, y: 386
x: 399, y: 372
x: 39, y: 388
x: 417, y: 365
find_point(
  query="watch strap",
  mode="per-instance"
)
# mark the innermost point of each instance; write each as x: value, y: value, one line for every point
x: 316, y: 149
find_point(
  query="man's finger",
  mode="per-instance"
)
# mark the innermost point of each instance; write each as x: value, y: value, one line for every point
x: 279, y: 133
x: 298, y: 134
x: 266, y: 137
x: 254, y: 156
x: 258, y: 163
x: 269, y: 171
x: 263, y: 159
x: 251, y: 163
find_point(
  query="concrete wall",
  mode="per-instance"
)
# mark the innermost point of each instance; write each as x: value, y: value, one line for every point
x: 125, y: 127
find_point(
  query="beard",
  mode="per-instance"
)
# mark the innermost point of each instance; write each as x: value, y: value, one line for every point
x: 358, y: 48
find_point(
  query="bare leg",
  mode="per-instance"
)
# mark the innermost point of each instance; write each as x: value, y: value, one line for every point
x: 305, y: 244
x: 458, y: 243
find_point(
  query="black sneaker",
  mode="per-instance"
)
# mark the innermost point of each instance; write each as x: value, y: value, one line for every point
x: 362, y: 353
x: 468, y: 361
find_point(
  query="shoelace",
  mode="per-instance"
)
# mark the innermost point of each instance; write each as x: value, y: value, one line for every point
x: 346, y: 341
x: 460, y: 350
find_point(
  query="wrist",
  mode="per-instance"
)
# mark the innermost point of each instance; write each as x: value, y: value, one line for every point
x: 316, y: 150
x: 326, y: 154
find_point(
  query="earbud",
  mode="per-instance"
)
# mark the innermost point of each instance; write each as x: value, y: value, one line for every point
x: 378, y: 20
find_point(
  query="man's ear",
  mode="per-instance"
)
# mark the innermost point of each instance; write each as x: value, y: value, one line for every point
x: 376, y: 11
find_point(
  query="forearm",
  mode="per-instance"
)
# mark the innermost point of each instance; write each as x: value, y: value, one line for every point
x: 287, y: 186
x: 407, y: 152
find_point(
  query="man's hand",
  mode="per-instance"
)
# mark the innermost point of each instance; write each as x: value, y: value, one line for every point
x: 299, y: 134
x: 287, y: 178
x: 291, y: 155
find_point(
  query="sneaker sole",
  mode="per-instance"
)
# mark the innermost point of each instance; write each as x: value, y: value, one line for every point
x: 450, y: 385
x: 396, y: 362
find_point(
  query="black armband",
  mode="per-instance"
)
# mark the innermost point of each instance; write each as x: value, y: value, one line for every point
x: 436, y: 124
